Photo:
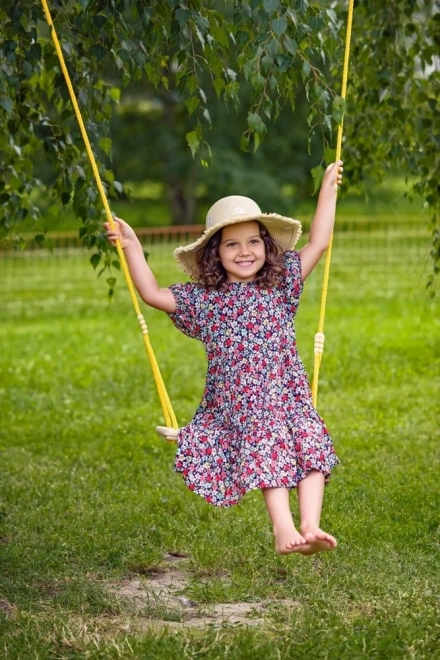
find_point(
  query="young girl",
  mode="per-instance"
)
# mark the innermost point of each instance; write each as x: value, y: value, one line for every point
x: 256, y: 427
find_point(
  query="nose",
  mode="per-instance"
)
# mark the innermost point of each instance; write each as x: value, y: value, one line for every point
x: 244, y: 249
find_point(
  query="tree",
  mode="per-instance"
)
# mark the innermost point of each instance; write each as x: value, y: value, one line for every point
x: 394, y: 101
x: 176, y: 46
x: 148, y: 136
x: 188, y: 47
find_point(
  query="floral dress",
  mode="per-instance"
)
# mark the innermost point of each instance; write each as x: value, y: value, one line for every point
x: 256, y: 426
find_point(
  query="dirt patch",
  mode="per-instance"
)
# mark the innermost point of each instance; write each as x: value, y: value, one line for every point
x: 7, y: 609
x: 159, y: 598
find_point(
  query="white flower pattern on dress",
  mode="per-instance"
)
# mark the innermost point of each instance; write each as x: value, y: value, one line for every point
x: 256, y: 426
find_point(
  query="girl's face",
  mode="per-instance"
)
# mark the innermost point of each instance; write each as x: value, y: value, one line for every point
x: 242, y: 251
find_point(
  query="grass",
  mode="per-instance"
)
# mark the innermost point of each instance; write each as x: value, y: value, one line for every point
x: 88, y: 495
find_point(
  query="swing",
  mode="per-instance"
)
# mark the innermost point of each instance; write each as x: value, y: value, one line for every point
x: 170, y: 431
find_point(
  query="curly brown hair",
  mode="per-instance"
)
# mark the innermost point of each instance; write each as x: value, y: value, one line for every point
x: 212, y: 275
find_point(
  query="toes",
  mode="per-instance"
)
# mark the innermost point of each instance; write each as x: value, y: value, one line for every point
x: 318, y: 541
x: 322, y: 536
x: 299, y: 541
x: 326, y: 538
x: 291, y: 545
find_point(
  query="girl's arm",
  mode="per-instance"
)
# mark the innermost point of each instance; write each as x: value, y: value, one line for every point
x: 143, y: 277
x: 323, y: 221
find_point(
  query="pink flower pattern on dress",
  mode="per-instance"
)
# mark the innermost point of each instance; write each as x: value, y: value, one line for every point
x: 256, y: 426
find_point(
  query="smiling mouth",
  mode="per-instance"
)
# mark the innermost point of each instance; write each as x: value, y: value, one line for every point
x: 243, y: 264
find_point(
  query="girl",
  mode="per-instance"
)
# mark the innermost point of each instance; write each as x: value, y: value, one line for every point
x: 256, y: 427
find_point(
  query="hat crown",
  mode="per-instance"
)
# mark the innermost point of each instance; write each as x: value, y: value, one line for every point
x: 231, y: 208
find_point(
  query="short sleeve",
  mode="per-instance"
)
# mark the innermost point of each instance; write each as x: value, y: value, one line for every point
x: 292, y: 283
x: 187, y: 315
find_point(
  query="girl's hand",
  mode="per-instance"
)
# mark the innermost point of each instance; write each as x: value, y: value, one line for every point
x: 122, y: 231
x: 333, y: 175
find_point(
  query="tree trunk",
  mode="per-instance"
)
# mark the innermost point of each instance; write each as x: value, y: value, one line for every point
x: 182, y: 205
x: 180, y: 172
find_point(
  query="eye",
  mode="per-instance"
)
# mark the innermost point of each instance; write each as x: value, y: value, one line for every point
x: 231, y: 244
x: 255, y: 240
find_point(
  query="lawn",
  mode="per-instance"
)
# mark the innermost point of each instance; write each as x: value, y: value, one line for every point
x: 89, y: 500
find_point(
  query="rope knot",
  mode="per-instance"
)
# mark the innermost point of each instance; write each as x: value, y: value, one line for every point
x: 319, y: 343
x: 143, y: 324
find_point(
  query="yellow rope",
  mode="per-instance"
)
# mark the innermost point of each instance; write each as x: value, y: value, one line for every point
x: 170, y: 418
x: 319, y: 337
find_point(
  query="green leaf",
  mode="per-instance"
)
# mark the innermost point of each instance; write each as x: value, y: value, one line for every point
x: 200, y: 37
x: 244, y: 142
x: 220, y: 35
x: 109, y: 176
x: 329, y: 155
x: 279, y: 25
x: 266, y: 63
x: 95, y: 259
x: 290, y: 44
x: 191, y: 83
x: 115, y: 94
x: 192, y: 103
x: 7, y: 104
x: 283, y: 62
x: 98, y: 51
x: 291, y: 14
x: 193, y: 140
x: 273, y: 47
x: 183, y: 15
x: 256, y: 124
x: 202, y: 22
x: 256, y: 141
x: 219, y: 85
x: 332, y: 15
x: 257, y: 81
x: 306, y: 68
x: 271, y: 6
x: 327, y: 122
x: 317, y: 175
x: 106, y: 145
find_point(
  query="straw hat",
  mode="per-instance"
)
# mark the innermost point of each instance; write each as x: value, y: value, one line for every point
x: 231, y: 211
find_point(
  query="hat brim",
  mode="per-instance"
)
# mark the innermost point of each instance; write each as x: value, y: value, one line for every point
x: 285, y: 231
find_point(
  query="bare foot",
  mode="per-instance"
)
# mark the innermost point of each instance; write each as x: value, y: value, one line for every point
x: 317, y: 541
x: 288, y: 539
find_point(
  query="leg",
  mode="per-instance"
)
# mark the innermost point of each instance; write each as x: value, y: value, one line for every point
x: 287, y: 537
x: 310, y: 497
